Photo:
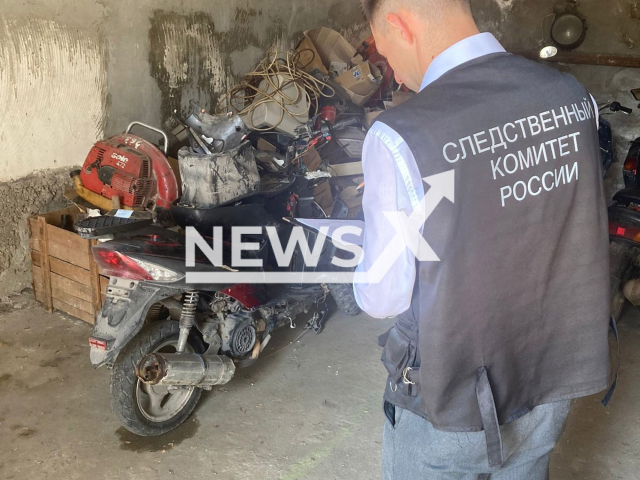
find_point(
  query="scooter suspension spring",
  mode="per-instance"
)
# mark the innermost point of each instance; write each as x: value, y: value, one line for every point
x: 187, y: 318
x: 188, y: 314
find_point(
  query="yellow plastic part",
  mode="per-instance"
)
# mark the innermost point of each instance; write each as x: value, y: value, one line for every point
x: 103, y: 203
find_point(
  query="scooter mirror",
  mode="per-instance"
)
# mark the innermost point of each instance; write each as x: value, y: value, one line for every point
x: 636, y: 94
x: 548, y: 52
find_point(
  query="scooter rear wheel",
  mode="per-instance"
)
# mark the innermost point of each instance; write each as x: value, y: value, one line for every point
x: 144, y: 409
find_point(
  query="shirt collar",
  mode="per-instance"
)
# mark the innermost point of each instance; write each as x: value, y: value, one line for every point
x: 464, y: 51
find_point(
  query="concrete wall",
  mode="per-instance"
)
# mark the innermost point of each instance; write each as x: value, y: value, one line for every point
x: 73, y: 71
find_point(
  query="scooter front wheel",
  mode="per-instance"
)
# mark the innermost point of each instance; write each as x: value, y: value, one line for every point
x: 344, y: 297
x: 151, y: 410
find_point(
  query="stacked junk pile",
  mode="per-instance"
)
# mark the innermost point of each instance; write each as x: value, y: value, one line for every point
x: 284, y: 144
x: 299, y: 114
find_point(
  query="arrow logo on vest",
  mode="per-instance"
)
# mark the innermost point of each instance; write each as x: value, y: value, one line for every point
x: 408, y: 235
x: 409, y: 228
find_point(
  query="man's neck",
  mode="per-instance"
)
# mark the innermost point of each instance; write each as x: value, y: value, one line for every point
x: 452, y: 31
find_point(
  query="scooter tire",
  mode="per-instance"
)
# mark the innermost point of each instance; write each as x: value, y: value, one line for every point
x: 344, y: 297
x: 124, y: 383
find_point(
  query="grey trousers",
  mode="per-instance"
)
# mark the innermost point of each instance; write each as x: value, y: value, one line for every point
x: 415, y: 450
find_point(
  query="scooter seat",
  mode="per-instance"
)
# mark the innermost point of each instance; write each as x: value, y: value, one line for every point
x: 204, y: 219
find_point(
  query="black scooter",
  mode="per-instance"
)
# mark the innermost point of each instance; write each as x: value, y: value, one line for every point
x: 165, y: 339
x: 624, y: 230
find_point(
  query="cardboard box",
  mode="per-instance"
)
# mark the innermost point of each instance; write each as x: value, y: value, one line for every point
x: 351, y: 196
x: 370, y: 117
x: 338, y: 68
x: 361, y: 82
x: 265, y: 146
x: 331, y: 46
x: 310, y: 59
x: 399, y: 97
x: 312, y: 159
x: 347, y: 169
x: 362, y: 79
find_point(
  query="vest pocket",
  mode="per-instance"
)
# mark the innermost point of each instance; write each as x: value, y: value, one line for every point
x: 399, y: 353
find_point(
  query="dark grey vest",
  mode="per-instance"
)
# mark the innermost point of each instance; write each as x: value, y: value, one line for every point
x: 516, y: 312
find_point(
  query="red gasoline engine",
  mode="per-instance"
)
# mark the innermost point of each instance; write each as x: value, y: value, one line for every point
x: 130, y: 168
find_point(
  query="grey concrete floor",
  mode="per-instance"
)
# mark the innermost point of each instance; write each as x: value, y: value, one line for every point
x: 309, y: 411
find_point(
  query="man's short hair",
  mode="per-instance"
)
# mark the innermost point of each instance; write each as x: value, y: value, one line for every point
x: 371, y: 7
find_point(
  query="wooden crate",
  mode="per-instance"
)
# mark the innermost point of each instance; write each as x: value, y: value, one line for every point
x: 64, y: 275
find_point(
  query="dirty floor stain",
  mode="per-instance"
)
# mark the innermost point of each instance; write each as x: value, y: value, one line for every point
x: 55, y: 362
x: 4, y: 379
x: 135, y: 443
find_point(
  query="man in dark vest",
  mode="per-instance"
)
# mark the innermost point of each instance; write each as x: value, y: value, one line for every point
x: 484, y: 194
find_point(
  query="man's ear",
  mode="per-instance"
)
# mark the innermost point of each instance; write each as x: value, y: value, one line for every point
x: 397, y: 23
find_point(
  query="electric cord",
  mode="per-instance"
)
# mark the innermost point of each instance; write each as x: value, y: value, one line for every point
x: 267, y: 84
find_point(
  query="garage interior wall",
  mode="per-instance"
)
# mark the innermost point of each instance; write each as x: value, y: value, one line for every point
x: 74, y: 71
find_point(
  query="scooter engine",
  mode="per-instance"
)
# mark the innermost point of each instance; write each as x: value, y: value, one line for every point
x: 238, y: 334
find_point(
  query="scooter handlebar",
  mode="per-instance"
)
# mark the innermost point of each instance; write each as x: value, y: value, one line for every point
x: 617, y: 107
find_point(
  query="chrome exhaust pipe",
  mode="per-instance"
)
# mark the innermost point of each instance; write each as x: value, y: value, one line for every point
x: 185, y: 369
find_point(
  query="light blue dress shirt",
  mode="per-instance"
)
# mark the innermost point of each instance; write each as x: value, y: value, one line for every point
x: 393, y: 183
